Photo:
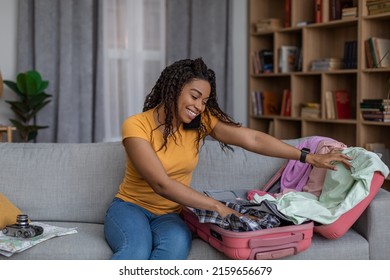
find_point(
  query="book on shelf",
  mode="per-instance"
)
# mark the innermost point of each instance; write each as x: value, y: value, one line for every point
x: 326, y: 64
x: 285, y: 110
x: 377, y: 52
x: 330, y: 111
x: 267, y: 61
x: 311, y: 110
x: 336, y: 7
x: 262, y: 61
x: 257, y: 103
x: 318, y: 11
x: 287, y: 13
x: 343, y: 103
x: 375, y: 109
x: 368, y: 49
x: 378, y: 7
x: 382, y: 51
x: 321, y: 11
x: 376, y: 116
x: 268, y: 24
x: 270, y: 103
x: 288, y: 58
x: 255, y: 62
x: 350, y: 55
x: 350, y: 12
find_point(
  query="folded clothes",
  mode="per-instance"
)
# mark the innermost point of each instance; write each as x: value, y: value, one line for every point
x: 232, y: 222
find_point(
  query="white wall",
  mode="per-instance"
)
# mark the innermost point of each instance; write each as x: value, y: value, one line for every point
x: 8, y: 31
x: 8, y: 17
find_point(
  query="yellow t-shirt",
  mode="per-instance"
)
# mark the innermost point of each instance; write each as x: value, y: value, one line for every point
x: 179, y: 161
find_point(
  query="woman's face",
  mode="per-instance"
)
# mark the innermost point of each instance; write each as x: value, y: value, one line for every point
x: 192, y: 100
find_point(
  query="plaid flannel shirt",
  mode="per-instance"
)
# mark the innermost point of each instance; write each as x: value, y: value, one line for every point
x: 244, y: 223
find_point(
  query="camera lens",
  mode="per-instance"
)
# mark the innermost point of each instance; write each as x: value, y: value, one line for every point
x: 28, y: 233
x: 22, y: 220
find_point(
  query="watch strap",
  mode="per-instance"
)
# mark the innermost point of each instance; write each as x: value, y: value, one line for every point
x: 304, y: 153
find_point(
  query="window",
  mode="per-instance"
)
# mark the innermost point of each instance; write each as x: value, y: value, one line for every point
x: 134, y: 56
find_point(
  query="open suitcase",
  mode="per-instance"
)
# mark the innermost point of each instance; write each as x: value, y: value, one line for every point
x: 272, y: 243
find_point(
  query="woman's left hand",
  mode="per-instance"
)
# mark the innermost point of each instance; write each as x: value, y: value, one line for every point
x: 328, y: 160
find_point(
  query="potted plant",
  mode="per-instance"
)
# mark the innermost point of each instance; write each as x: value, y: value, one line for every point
x: 29, y: 88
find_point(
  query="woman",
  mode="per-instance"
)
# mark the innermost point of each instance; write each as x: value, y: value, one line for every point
x: 162, y: 146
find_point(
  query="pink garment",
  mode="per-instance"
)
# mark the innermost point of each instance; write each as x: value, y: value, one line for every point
x: 317, y: 175
x: 296, y: 174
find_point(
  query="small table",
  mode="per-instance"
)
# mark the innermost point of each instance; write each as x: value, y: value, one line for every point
x: 7, y: 130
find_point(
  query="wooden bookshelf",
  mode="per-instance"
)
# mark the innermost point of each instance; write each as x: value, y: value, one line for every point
x: 318, y: 41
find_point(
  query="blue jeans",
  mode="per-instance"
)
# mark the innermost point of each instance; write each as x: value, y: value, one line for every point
x: 134, y: 233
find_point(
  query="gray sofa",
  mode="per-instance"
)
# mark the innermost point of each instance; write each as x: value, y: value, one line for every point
x: 71, y: 185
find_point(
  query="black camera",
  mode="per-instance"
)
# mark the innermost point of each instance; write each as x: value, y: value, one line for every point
x: 22, y: 228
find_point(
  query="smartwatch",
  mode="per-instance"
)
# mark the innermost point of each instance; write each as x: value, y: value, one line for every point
x: 304, y: 153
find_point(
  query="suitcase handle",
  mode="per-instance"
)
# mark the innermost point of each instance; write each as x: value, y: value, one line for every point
x: 274, y: 241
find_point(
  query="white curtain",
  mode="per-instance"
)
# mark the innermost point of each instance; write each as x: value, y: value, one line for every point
x: 133, y: 57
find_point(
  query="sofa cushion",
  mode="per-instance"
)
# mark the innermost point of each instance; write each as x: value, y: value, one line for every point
x: 8, y: 212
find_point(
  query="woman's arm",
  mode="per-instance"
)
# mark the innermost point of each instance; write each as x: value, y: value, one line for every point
x: 262, y: 143
x: 149, y: 166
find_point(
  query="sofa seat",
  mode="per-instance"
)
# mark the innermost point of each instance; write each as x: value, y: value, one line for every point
x: 87, y: 244
x: 72, y: 185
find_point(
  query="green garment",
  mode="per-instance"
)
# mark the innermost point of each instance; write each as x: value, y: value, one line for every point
x: 342, y: 190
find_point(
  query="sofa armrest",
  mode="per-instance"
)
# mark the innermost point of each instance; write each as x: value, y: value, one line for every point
x: 374, y: 224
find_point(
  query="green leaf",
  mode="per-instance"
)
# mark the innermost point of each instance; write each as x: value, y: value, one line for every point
x: 37, y: 109
x: 32, y: 83
x: 32, y: 135
x: 14, y: 88
x: 42, y: 87
x: 20, y: 105
x: 18, y: 125
x: 21, y: 83
x: 37, y: 99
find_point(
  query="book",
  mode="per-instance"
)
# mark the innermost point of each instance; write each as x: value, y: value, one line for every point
x: 342, y: 100
x: 287, y: 13
x: 285, y: 110
x: 330, y: 112
x: 336, y: 7
x: 326, y: 64
x: 369, y: 56
x: 378, y: 7
x: 318, y: 11
x: 311, y: 110
x: 350, y: 55
x: 254, y: 104
x: 270, y: 103
x: 325, y: 10
x: 267, y: 61
x: 288, y: 57
x: 382, y: 51
x: 268, y: 24
x: 349, y: 12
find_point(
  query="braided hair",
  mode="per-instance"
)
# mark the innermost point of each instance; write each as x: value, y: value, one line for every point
x: 169, y: 87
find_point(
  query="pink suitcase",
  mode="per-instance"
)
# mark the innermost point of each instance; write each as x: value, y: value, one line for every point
x: 273, y: 243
